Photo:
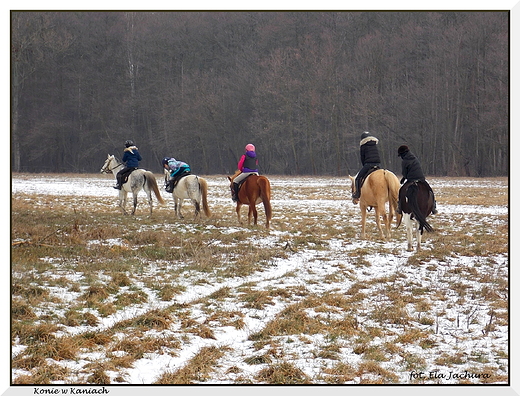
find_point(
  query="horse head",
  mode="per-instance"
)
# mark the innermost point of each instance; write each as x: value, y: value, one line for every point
x: 355, y: 201
x: 107, y: 167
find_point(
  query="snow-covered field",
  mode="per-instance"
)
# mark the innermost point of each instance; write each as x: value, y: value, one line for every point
x: 457, y: 319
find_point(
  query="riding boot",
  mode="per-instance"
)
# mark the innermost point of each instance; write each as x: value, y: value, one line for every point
x: 234, y: 192
x: 118, y: 183
x: 169, y: 186
x: 357, y: 194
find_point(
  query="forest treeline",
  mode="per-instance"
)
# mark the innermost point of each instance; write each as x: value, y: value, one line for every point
x: 302, y: 86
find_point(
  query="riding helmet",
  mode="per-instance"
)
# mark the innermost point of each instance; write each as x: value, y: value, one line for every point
x: 402, y: 150
x: 250, y: 147
x: 365, y: 135
x: 129, y: 143
x: 165, y: 160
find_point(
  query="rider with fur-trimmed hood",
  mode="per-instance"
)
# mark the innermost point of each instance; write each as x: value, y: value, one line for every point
x: 131, y: 158
x: 369, y: 158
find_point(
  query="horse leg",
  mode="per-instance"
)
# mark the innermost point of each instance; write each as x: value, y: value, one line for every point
x: 380, y: 212
x: 409, y: 223
x: 255, y: 213
x: 250, y: 214
x: 418, y: 236
x: 239, y: 205
x: 363, y: 220
x: 122, y: 200
x: 149, y: 192
x: 390, y: 218
x: 178, y: 207
x: 135, y: 202
x: 197, y: 207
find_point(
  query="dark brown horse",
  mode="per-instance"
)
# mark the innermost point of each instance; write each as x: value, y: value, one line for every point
x: 416, y: 202
x: 254, y: 189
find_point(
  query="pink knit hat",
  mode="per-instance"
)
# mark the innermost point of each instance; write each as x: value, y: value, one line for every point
x: 250, y: 147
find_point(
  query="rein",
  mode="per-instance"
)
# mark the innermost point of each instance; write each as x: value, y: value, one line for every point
x: 115, y: 167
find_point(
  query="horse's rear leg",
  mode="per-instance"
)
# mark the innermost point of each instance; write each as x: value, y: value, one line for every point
x: 363, y: 222
x: 409, y: 223
x: 178, y: 207
x: 197, y: 207
x: 135, y: 204
x: 418, y: 236
x: 149, y: 192
x: 389, y: 219
x: 122, y: 201
x: 239, y: 205
x: 380, y: 213
x: 252, y: 212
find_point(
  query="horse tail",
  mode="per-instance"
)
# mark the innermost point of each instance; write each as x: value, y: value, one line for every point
x: 393, y: 189
x: 203, y: 186
x: 411, y: 194
x: 265, y: 194
x: 393, y: 195
x: 152, y: 185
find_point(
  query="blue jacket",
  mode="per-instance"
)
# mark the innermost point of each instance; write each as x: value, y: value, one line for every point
x: 177, y: 167
x: 131, y: 157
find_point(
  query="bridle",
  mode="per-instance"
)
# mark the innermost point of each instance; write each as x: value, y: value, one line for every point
x: 106, y: 169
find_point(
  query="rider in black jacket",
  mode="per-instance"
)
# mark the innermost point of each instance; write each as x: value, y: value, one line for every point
x: 412, y: 171
x: 369, y: 158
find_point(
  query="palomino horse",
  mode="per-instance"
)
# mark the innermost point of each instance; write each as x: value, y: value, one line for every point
x: 416, y: 203
x: 380, y: 187
x: 138, y: 179
x: 194, y: 188
x: 254, y: 189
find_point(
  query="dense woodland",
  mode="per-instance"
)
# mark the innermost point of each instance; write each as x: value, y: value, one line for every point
x: 301, y: 86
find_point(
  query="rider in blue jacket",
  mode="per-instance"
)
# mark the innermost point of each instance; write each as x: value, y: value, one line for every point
x: 131, y: 158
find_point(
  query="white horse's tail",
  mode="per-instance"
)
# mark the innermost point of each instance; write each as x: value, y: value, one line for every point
x: 203, y: 186
x: 152, y: 185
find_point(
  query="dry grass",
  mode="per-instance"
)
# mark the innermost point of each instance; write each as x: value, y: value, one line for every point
x: 79, y: 265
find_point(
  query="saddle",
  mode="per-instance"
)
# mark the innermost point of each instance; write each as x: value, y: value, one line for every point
x: 242, y: 181
x: 126, y: 174
x: 236, y: 186
x: 172, y: 183
x: 371, y: 170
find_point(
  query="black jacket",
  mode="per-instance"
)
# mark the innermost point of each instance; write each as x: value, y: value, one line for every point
x: 411, y: 167
x: 368, y: 151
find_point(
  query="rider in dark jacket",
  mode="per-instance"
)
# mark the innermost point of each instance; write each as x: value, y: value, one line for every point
x: 411, y: 168
x: 369, y: 159
x: 412, y: 171
x: 131, y: 158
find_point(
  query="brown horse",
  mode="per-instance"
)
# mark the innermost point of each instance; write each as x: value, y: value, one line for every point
x: 380, y: 187
x: 254, y: 189
x: 416, y: 202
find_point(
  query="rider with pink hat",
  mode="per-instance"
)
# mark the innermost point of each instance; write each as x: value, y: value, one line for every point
x: 247, y: 165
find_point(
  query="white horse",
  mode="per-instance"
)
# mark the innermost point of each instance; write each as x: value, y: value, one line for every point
x: 139, y: 179
x: 190, y: 187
